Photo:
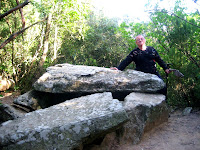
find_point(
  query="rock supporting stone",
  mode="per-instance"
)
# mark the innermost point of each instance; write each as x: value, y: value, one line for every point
x: 145, y: 111
x: 64, y: 126
x: 29, y: 99
x: 9, y: 113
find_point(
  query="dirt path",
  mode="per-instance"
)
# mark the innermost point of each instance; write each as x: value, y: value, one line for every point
x: 8, y: 97
x: 179, y: 133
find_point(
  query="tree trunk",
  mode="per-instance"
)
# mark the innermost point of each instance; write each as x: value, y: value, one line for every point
x: 40, y: 45
x: 22, y: 16
x: 55, y: 44
x: 46, y: 43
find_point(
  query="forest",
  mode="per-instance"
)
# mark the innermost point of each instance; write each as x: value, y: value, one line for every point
x: 36, y: 34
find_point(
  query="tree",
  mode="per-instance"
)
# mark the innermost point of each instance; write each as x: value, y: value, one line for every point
x: 177, y: 35
x: 101, y: 45
x: 36, y: 48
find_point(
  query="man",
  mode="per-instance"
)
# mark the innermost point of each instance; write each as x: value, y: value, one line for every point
x: 145, y: 58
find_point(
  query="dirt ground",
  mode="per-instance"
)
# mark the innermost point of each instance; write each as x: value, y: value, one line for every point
x: 8, y: 97
x: 181, y: 132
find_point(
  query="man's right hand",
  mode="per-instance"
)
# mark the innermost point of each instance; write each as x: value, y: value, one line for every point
x: 114, y: 68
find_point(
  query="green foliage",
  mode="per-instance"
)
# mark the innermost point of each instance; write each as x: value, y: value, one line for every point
x: 101, y: 45
x: 178, y: 39
x: 78, y: 36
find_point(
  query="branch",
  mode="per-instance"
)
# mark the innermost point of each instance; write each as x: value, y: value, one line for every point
x: 13, y: 36
x: 163, y: 46
x: 185, y: 20
x: 14, y: 9
x: 192, y: 59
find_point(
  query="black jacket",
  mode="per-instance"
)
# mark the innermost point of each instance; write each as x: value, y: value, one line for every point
x: 144, y: 60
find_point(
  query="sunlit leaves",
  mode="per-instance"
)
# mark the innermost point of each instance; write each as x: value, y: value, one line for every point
x: 177, y: 33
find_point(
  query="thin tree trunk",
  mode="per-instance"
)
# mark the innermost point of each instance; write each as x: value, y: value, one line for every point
x: 12, y: 55
x: 46, y: 43
x: 22, y: 16
x: 40, y: 45
x: 55, y: 44
x: 13, y: 64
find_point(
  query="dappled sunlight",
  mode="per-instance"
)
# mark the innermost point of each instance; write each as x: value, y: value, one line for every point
x: 5, y: 95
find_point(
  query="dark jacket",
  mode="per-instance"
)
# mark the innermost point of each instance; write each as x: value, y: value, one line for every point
x: 144, y: 60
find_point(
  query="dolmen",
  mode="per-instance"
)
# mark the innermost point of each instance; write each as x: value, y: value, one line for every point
x: 85, y: 107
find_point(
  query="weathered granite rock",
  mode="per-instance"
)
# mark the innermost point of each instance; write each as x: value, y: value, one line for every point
x: 77, y: 78
x: 187, y: 111
x: 80, y: 120
x: 9, y: 113
x: 145, y: 111
x: 29, y: 99
x: 64, y: 126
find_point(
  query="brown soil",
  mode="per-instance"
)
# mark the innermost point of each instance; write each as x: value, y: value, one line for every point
x: 8, y: 97
x: 179, y: 133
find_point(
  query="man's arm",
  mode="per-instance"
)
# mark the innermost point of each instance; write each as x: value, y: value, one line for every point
x: 159, y: 60
x: 125, y: 63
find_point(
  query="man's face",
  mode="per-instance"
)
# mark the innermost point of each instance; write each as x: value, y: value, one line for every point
x: 140, y: 40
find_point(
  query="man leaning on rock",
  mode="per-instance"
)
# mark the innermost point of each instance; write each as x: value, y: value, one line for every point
x: 145, y: 58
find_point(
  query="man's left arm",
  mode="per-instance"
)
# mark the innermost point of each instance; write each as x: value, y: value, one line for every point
x: 159, y: 60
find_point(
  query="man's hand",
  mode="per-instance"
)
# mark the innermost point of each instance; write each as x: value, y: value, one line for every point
x: 168, y: 71
x: 114, y: 68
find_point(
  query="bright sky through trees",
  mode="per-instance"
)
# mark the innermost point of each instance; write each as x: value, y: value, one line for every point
x: 137, y: 9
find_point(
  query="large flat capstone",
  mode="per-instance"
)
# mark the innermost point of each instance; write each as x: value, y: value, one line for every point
x: 63, y: 78
x: 64, y: 126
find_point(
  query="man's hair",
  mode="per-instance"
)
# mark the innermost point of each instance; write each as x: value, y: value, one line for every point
x: 139, y: 35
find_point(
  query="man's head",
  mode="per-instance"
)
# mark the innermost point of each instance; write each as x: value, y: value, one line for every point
x: 140, y: 40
